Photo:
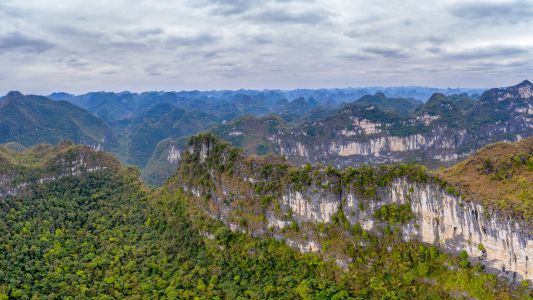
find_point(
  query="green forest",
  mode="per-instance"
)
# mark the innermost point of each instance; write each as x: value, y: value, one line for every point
x: 104, y: 235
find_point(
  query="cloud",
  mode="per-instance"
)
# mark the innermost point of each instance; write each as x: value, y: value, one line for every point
x: 485, y: 52
x: 190, y: 40
x: 355, y: 56
x: 502, y: 11
x: 75, y: 62
x: 142, y: 33
x: 225, y: 8
x: 386, y: 52
x: 17, y: 42
x: 153, y: 70
x: 282, y: 16
x: 210, y: 44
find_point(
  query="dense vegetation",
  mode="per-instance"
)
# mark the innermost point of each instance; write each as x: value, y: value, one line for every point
x: 103, y: 235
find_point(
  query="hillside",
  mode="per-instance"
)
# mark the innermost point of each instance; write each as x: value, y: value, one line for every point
x: 31, y: 120
x: 499, y: 175
x: 164, y: 161
x: 160, y: 123
x: 250, y: 132
x: 100, y: 233
x: 325, y: 210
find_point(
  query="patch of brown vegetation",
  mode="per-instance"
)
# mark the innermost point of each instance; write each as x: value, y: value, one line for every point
x: 499, y: 176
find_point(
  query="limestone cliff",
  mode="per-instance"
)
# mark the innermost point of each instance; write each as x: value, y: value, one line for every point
x: 438, y: 133
x: 267, y: 196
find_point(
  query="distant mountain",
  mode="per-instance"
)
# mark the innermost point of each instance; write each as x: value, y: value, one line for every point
x: 231, y: 104
x: 106, y: 105
x: 443, y: 109
x: 463, y: 101
x: 161, y: 122
x: 141, y: 120
x: 249, y: 132
x: 377, y: 129
x: 401, y: 106
x: 441, y: 131
x: 30, y: 120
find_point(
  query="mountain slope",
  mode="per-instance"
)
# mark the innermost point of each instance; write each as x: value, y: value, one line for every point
x: 153, y: 129
x: 501, y: 174
x: 249, y: 132
x: 79, y: 225
x: 95, y: 232
x: 330, y: 211
x: 30, y: 120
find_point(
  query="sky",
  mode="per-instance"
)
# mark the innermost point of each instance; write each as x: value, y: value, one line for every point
x: 80, y: 46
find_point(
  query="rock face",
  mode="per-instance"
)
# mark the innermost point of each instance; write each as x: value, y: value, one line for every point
x: 502, y: 244
x: 440, y: 218
x: 443, y: 130
x: 50, y: 163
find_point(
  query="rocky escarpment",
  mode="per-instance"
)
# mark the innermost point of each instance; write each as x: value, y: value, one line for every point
x: 442, y: 131
x: 267, y: 196
x: 19, y: 172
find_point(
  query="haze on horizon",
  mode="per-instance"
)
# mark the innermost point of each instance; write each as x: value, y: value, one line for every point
x: 79, y: 46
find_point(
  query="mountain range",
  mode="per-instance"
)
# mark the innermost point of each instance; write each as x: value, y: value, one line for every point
x: 330, y: 126
x: 376, y: 129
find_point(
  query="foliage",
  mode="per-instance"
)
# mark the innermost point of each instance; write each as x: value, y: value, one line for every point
x: 104, y: 235
x: 394, y: 213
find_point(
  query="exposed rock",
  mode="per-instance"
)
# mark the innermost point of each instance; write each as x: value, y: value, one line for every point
x: 503, y: 244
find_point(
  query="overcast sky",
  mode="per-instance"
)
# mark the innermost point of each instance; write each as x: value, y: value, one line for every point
x: 78, y: 46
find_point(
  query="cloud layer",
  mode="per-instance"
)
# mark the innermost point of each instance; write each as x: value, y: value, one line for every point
x: 136, y: 45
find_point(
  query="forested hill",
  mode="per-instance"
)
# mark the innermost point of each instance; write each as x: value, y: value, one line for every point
x: 88, y: 228
x: 30, y: 120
